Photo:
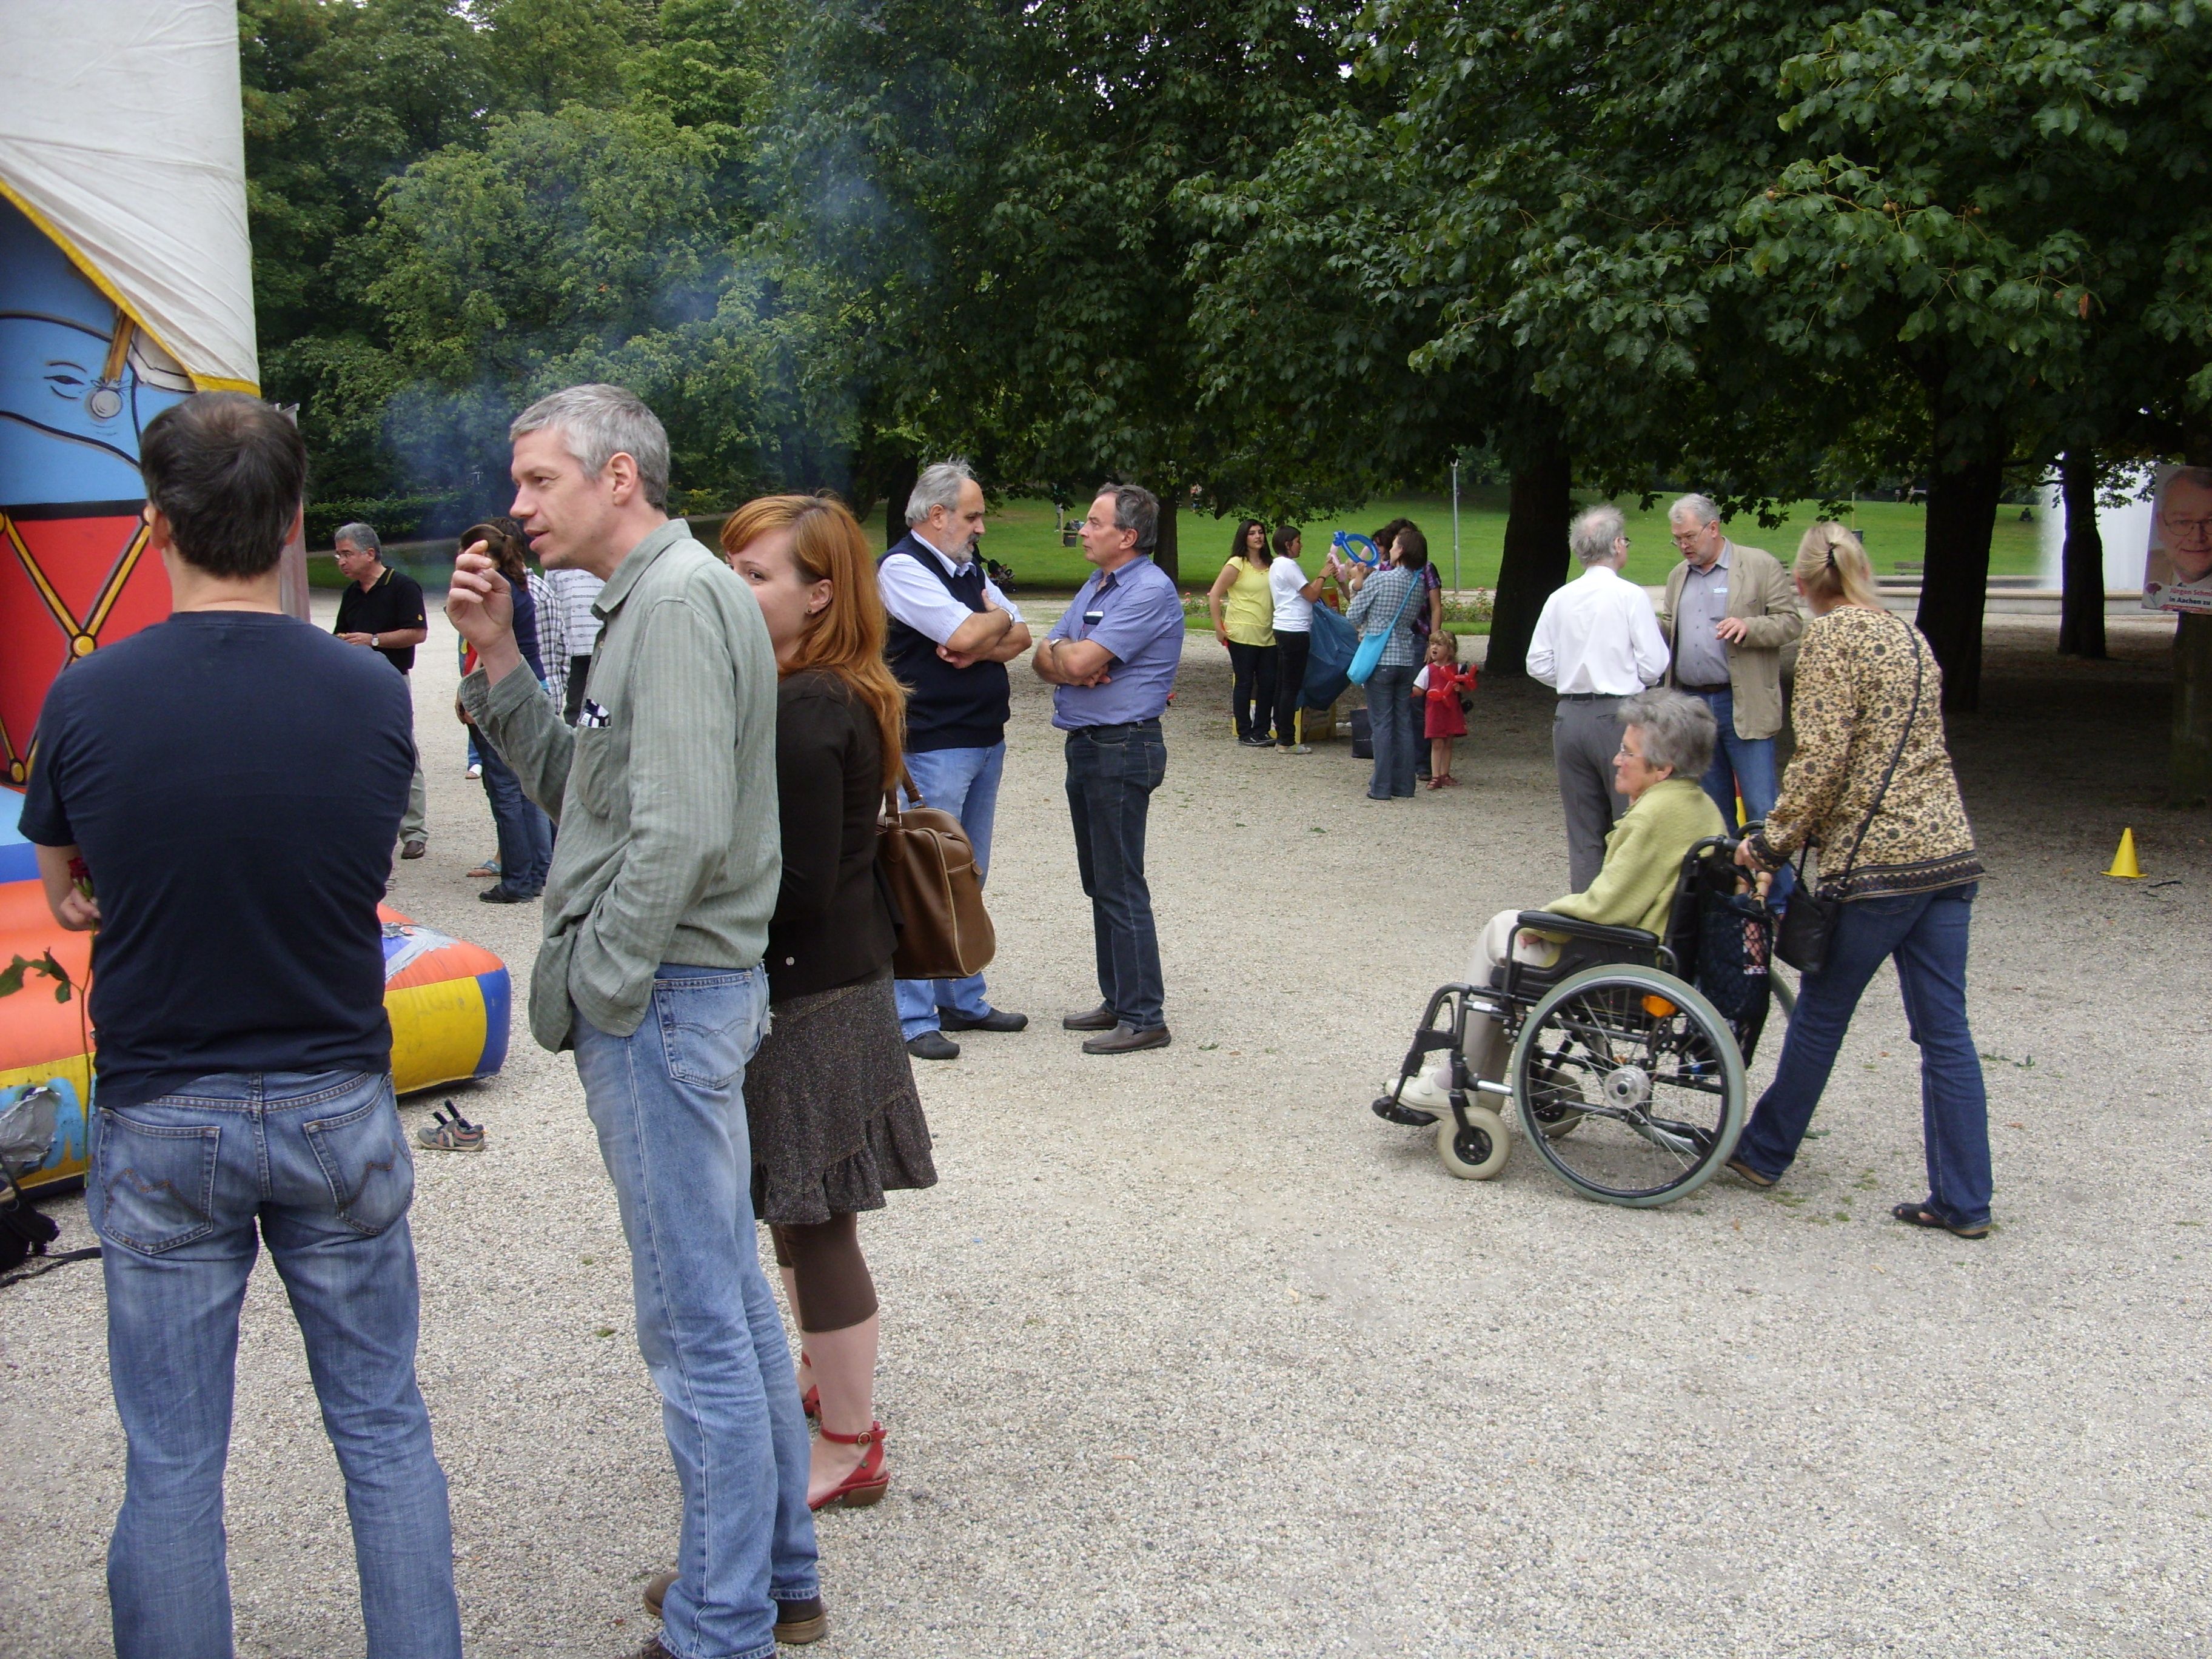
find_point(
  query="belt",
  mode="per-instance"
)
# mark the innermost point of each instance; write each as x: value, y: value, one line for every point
x: 1591, y: 696
x: 1704, y: 690
x: 1112, y: 725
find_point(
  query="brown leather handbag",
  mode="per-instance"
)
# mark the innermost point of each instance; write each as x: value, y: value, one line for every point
x: 927, y: 868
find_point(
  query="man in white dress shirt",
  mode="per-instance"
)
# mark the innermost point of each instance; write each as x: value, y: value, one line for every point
x: 1597, y: 642
x: 952, y: 633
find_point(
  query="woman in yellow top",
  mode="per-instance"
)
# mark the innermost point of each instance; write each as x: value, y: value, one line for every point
x: 1244, y: 608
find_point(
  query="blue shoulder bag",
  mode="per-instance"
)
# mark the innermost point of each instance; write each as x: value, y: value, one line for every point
x: 1372, y: 645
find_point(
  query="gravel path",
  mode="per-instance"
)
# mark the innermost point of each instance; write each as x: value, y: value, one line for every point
x: 1188, y: 1353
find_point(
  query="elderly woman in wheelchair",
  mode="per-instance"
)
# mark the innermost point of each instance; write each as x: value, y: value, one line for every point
x: 1626, y: 1076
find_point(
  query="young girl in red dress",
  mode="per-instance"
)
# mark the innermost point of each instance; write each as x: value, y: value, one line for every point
x: 1443, y: 681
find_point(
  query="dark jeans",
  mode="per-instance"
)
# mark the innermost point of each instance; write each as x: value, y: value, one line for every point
x: 1255, y: 695
x: 1926, y: 933
x: 1112, y: 771
x: 1398, y: 744
x: 1292, y: 651
x: 525, y: 834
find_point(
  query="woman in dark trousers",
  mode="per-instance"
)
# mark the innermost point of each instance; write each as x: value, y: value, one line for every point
x: 1294, y: 598
x: 830, y: 1096
x: 525, y: 834
x: 1871, y: 787
x: 1243, y: 606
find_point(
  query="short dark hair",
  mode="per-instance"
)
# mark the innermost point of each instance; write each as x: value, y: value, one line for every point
x: 1413, y: 548
x: 228, y: 473
x: 1287, y: 536
x: 1137, y: 509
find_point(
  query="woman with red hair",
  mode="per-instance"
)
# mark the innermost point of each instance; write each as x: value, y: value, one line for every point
x: 835, y: 1120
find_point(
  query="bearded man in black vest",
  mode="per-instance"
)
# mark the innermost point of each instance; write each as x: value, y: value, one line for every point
x: 951, y: 634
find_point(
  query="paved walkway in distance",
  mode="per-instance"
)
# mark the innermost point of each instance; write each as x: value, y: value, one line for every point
x: 1187, y: 1353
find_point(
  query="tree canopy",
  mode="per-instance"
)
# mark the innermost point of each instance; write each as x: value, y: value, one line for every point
x: 1259, y: 255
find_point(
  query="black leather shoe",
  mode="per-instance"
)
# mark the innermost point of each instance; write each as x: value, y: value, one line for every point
x: 1101, y: 1018
x: 952, y: 1019
x: 1126, y: 1040
x: 933, y: 1045
x: 500, y: 893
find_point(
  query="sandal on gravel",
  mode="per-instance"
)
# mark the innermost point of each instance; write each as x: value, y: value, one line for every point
x: 451, y: 1134
x: 868, y: 1481
x: 1919, y: 1215
x: 1737, y: 1166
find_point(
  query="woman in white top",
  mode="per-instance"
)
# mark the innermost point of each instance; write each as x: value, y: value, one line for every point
x: 1294, y: 598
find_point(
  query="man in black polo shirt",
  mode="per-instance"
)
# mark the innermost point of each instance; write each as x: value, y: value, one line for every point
x: 382, y: 609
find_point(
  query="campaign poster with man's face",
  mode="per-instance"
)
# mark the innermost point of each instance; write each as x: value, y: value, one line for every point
x: 2178, y: 576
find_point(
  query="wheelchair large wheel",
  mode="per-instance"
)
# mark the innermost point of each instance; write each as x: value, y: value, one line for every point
x: 1646, y: 1071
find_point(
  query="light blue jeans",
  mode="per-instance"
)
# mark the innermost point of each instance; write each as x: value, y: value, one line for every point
x: 318, y: 1164
x: 668, y: 1102
x: 965, y: 783
x: 1745, y: 767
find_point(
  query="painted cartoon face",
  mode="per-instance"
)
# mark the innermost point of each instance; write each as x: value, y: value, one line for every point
x: 72, y: 399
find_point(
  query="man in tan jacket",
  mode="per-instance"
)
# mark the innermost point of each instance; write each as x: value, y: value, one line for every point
x: 1729, y: 612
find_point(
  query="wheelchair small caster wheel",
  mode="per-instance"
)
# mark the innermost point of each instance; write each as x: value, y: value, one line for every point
x: 1478, y: 1151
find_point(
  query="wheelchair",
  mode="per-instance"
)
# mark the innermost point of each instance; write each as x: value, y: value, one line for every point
x: 1627, y: 1054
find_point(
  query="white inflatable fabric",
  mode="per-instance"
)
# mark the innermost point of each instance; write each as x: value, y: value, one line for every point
x: 120, y: 137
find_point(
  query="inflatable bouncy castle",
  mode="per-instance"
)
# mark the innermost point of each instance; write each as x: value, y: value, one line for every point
x: 125, y: 286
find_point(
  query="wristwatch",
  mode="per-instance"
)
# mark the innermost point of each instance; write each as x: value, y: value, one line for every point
x: 372, y: 639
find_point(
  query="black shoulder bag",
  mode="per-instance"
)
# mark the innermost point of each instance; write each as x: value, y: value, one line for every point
x: 1809, y: 923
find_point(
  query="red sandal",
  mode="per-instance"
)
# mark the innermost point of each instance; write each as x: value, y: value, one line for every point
x: 868, y: 1482
x: 811, y: 1401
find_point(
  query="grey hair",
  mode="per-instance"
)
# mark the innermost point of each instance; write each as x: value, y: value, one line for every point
x: 362, y: 535
x: 939, y: 486
x: 1679, y: 730
x: 1137, y: 509
x: 2196, y: 478
x: 1700, y: 509
x: 601, y: 421
x: 1594, y: 533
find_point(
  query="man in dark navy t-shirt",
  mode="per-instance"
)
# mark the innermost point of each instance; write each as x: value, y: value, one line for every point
x: 242, y: 1079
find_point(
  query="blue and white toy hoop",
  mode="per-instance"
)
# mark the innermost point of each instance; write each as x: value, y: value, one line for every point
x: 1349, y: 544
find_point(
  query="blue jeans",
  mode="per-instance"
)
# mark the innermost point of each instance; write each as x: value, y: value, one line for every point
x: 668, y: 1102
x: 318, y: 1164
x: 1112, y: 771
x: 525, y: 834
x: 1398, y: 745
x: 1745, y: 767
x: 1926, y: 933
x: 965, y: 783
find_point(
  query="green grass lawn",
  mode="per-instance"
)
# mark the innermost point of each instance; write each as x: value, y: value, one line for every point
x: 1021, y: 534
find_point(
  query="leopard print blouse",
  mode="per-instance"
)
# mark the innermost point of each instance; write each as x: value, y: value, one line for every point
x: 1854, y: 687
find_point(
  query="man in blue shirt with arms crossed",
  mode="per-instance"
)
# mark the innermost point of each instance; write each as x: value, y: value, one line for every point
x: 1113, y: 656
x: 244, y: 1072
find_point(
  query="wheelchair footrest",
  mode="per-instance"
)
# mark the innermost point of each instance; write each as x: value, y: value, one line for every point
x: 1392, y: 1110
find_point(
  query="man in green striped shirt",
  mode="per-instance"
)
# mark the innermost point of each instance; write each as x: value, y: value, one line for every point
x: 657, y: 909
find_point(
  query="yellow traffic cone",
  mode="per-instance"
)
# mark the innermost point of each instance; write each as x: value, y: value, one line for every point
x: 2124, y: 861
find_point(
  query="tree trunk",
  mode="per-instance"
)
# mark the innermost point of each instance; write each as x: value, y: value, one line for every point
x: 1535, y: 562
x: 1164, y: 554
x: 1954, y: 581
x: 2081, y: 608
x: 898, y: 484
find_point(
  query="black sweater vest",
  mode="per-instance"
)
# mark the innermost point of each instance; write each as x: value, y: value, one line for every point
x: 946, y: 708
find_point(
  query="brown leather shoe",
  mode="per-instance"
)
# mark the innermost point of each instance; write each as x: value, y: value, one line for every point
x: 1101, y: 1018
x: 1126, y: 1040
x: 415, y: 848
x: 796, y: 1622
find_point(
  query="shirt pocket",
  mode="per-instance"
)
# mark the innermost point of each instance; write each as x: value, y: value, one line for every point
x: 365, y: 1162
x: 595, y: 772
x: 154, y: 1185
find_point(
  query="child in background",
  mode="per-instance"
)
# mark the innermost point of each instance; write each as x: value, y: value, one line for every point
x: 1442, y: 681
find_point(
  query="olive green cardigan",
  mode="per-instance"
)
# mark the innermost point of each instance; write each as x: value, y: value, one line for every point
x: 1644, y: 858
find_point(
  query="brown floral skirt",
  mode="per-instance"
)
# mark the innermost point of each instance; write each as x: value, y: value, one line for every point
x: 830, y: 1097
